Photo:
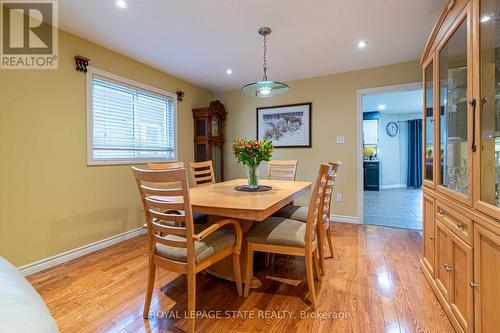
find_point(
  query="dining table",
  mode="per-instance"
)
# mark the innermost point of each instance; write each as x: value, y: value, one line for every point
x: 222, y: 200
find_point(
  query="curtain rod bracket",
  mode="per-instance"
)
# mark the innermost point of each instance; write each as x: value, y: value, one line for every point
x: 180, y: 95
x: 81, y: 63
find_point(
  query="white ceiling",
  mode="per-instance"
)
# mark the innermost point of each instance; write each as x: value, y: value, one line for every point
x: 395, y: 102
x: 197, y: 40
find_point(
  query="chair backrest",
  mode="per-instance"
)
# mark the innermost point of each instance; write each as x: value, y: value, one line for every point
x: 202, y: 173
x: 282, y: 169
x: 332, y: 176
x: 315, y: 211
x: 162, y: 206
x: 165, y: 165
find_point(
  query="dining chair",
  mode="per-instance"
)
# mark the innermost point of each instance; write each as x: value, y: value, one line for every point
x: 199, y: 218
x: 299, y: 213
x: 291, y: 237
x: 182, y: 249
x: 165, y: 165
x: 282, y: 169
x: 202, y: 173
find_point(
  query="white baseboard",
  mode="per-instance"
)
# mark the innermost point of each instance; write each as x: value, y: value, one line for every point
x: 60, y: 258
x: 345, y: 219
x: 393, y: 186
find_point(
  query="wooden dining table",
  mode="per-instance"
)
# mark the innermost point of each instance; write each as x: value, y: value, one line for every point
x: 221, y: 200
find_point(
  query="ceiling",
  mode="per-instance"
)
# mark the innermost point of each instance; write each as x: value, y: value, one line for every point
x: 395, y: 102
x: 199, y: 40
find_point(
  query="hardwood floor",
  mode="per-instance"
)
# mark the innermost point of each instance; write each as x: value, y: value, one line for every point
x: 374, y: 284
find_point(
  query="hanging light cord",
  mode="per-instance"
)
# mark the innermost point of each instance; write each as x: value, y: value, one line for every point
x: 264, y: 78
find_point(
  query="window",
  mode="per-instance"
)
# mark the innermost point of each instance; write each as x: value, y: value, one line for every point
x: 129, y: 122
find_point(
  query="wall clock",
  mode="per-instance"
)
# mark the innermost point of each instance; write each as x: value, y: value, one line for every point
x: 392, y: 129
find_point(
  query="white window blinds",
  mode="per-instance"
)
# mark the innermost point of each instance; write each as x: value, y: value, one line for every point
x: 130, y: 124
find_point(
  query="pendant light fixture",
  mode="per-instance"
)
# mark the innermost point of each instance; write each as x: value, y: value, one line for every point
x: 265, y: 88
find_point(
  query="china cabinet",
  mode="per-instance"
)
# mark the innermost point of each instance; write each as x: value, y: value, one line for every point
x: 209, y: 136
x: 461, y: 163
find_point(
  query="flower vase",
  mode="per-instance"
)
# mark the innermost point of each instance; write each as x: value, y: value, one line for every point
x: 253, y: 176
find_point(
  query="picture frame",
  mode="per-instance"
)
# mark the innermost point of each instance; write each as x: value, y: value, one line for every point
x: 287, y: 126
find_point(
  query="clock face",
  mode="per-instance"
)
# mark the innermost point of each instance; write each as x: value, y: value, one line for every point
x: 392, y: 128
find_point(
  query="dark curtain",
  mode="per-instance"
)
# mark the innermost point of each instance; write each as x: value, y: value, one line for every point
x: 414, y: 175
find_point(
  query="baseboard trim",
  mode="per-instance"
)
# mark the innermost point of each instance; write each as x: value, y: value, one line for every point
x: 345, y: 219
x: 60, y: 258
x: 393, y: 186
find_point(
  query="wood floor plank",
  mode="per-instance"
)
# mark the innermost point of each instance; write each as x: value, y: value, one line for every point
x: 373, y: 284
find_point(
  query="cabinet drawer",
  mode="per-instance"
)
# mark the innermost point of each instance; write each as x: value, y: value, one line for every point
x: 460, y: 224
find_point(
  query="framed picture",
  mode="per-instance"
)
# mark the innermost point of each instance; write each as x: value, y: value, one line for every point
x: 288, y: 126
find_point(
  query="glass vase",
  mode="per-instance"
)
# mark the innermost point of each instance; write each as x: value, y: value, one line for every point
x: 253, y: 176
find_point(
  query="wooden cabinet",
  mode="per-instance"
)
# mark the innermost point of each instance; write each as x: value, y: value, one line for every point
x: 461, y: 164
x: 486, y: 283
x: 209, y: 136
x: 428, y: 124
x: 428, y: 233
x: 487, y: 110
x: 454, y: 76
x: 441, y: 273
x: 453, y: 275
x: 461, y: 275
x: 460, y: 224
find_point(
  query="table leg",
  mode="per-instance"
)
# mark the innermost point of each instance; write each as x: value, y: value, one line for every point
x: 224, y: 268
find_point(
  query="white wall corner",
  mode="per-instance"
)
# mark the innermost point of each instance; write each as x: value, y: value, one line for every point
x: 60, y: 258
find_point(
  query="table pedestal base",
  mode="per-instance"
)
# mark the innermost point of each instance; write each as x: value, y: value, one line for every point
x: 224, y: 268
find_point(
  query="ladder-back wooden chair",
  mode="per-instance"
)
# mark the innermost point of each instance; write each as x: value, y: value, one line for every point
x: 182, y: 249
x: 202, y: 173
x: 299, y: 213
x: 282, y: 169
x: 326, y: 230
x: 165, y: 165
x: 199, y: 218
x: 291, y: 237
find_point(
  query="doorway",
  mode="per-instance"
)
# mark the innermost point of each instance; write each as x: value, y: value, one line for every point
x: 390, y: 145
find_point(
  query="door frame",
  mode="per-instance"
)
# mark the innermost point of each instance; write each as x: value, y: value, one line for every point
x: 360, y: 93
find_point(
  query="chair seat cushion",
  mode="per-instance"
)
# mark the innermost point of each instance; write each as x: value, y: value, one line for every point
x: 215, y: 242
x: 22, y: 309
x: 278, y: 231
x: 298, y: 213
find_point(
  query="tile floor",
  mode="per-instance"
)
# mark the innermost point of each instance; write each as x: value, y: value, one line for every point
x: 398, y: 208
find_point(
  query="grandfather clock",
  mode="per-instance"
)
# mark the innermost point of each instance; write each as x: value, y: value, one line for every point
x: 209, y: 136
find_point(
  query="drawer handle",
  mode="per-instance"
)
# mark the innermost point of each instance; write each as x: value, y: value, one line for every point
x: 447, y: 267
x: 461, y: 225
x: 431, y: 237
x: 474, y: 285
x: 441, y: 212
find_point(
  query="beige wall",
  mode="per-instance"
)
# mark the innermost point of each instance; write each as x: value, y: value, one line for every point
x: 50, y: 200
x: 333, y: 114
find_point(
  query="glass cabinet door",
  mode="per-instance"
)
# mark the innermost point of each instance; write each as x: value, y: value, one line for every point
x: 489, y: 148
x: 453, y: 91
x: 429, y: 122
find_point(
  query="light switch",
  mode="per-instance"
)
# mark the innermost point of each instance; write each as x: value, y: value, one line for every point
x: 340, y: 197
x: 340, y: 139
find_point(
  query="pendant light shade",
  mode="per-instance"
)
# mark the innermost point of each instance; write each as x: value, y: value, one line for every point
x: 265, y: 88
